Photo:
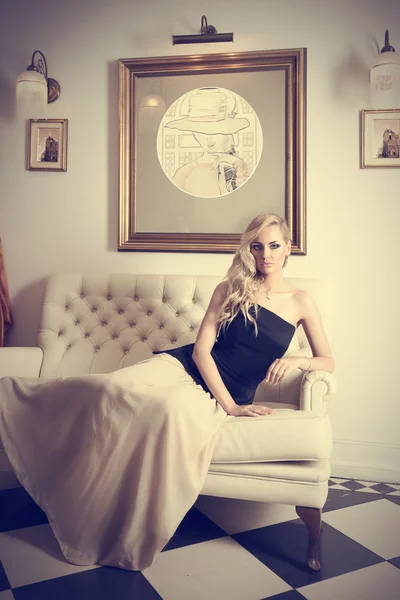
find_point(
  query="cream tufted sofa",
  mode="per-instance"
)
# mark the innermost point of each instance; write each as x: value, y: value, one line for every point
x: 100, y: 323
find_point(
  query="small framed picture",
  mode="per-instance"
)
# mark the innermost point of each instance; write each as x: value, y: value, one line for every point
x: 47, y: 150
x: 380, y: 138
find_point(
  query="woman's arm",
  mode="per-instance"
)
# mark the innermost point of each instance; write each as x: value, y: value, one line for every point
x: 310, y: 319
x: 206, y: 364
x: 322, y: 360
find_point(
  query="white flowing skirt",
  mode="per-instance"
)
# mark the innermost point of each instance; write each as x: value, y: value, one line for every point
x: 114, y: 460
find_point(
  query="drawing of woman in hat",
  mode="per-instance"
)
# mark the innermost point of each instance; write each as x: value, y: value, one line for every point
x: 212, y: 121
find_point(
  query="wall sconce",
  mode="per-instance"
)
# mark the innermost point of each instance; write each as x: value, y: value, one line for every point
x: 208, y: 34
x: 384, y: 78
x: 34, y: 89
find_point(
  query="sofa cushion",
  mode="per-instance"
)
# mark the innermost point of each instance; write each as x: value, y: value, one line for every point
x: 285, y: 435
x: 288, y: 434
x: 301, y: 483
x: 314, y: 472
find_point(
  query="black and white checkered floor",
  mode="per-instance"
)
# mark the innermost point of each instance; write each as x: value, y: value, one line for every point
x: 223, y: 550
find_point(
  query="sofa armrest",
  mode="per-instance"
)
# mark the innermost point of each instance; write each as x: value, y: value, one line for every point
x: 20, y: 362
x: 317, y: 388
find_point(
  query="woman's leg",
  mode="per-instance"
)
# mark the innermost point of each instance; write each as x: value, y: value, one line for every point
x: 115, y: 460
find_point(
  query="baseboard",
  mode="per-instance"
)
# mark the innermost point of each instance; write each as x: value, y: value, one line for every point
x: 368, y: 461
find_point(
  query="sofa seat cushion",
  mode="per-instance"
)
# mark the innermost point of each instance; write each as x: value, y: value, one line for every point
x: 311, y: 472
x: 285, y: 435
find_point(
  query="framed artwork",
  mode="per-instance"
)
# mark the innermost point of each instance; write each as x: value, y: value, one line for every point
x: 47, y: 149
x: 380, y: 138
x: 207, y: 142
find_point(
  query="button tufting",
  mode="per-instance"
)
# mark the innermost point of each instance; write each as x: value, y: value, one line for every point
x: 96, y: 349
x: 87, y: 335
x: 194, y: 300
x: 82, y: 295
x: 161, y: 326
x: 149, y: 313
x: 66, y: 307
x: 164, y: 300
x: 77, y: 322
x: 60, y: 333
x: 94, y: 309
x: 191, y: 328
x: 133, y: 324
x: 104, y: 323
x: 173, y: 340
x: 69, y: 346
x: 121, y: 311
x: 114, y: 337
x: 178, y: 314
x: 144, y: 339
x: 136, y: 299
x: 126, y: 351
x: 109, y: 297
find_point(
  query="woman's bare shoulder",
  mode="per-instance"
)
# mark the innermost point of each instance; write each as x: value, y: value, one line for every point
x: 223, y: 286
x: 221, y: 291
x: 296, y: 293
x: 218, y: 298
x: 304, y: 301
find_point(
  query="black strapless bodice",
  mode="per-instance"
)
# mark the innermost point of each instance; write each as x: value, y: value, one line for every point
x: 242, y: 358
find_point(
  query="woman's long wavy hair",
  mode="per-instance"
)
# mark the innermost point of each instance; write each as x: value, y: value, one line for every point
x: 242, y: 276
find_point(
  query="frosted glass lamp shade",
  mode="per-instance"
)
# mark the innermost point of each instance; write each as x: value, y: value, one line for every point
x: 32, y: 95
x: 384, y: 78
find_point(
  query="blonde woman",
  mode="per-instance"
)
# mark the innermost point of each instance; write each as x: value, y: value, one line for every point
x: 253, y: 314
x: 117, y: 460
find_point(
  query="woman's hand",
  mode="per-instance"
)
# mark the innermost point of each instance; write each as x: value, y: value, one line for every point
x: 249, y: 410
x: 281, y: 367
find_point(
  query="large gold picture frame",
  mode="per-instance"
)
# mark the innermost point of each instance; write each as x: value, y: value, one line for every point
x: 154, y: 215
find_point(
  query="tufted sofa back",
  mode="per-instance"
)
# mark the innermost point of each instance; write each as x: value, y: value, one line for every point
x: 98, y: 323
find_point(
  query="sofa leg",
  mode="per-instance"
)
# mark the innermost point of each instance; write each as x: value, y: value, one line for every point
x: 312, y: 518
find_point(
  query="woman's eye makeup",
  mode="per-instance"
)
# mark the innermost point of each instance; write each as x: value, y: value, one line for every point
x: 260, y: 247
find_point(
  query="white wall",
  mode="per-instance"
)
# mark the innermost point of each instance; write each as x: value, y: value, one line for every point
x: 53, y: 221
